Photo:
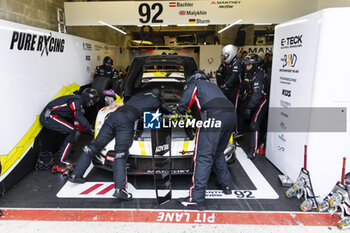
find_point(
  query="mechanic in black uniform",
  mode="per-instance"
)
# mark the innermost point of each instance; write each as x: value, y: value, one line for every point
x: 119, y: 125
x: 209, y: 100
x: 65, y: 115
x: 228, y: 75
x: 106, y: 70
x: 254, y: 104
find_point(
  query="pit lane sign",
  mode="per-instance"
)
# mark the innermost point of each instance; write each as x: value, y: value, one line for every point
x: 181, y: 12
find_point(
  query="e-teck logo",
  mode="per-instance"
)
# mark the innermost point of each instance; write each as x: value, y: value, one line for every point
x: 151, y: 120
x: 33, y: 42
x: 292, y: 42
x: 289, y: 60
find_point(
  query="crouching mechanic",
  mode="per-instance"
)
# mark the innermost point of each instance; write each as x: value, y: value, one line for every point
x: 254, y: 105
x: 119, y: 125
x: 210, y: 142
x: 65, y: 115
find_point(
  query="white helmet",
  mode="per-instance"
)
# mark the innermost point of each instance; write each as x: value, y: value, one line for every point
x: 228, y: 53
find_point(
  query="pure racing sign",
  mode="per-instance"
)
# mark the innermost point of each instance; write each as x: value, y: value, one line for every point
x: 45, y: 44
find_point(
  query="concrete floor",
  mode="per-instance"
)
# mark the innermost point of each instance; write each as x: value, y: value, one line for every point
x: 82, y: 227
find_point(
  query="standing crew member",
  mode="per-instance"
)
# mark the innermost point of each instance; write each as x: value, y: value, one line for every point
x: 119, y: 125
x: 106, y: 70
x: 65, y: 115
x: 229, y: 74
x: 254, y: 104
x: 210, y: 142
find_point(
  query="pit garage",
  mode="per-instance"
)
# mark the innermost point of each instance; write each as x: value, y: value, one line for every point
x: 297, y: 179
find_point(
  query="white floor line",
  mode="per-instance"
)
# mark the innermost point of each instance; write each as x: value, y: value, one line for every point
x: 104, y: 189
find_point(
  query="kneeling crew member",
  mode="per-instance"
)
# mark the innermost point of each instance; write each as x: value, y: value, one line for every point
x: 210, y: 142
x: 119, y: 125
x: 254, y: 105
x: 65, y: 115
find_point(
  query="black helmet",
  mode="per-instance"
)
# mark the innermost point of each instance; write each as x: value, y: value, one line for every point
x: 108, y: 60
x: 252, y: 59
x: 90, y: 97
x: 198, y: 75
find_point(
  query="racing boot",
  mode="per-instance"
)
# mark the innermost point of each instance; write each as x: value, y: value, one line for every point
x: 185, y: 202
x: 74, y: 178
x: 225, y: 189
x: 62, y: 167
x: 251, y: 155
x: 122, y: 194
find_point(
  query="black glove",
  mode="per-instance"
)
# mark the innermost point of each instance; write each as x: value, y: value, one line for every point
x: 247, y: 113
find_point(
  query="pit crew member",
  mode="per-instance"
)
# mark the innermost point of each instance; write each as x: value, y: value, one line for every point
x: 119, y: 125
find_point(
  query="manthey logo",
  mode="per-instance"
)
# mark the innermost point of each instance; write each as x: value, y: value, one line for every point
x: 289, y: 60
x: 225, y: 4
x: 292, y: 42
x: 180, y: 4
x: 153, y: 120
x: 45, y: 44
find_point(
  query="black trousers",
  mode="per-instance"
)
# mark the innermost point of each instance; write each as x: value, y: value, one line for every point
x: 119, y: 125
x: 255, y: 122
x: 209, y: 152
x: 63, y: 126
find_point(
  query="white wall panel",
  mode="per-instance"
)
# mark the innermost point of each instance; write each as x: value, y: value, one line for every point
x: 30, y: 80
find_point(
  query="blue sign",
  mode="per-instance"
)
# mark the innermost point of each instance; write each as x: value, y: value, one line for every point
x: 151, y: 120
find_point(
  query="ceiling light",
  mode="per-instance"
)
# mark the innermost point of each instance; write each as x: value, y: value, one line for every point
x: 238, y: 21
x: 262, y: 23
x: 108, y: 25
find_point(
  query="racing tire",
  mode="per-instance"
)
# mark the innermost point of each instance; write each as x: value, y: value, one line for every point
x: 100, y: 84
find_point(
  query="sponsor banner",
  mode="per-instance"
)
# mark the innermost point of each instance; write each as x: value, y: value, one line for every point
x: 36, y: 63
x: 306, y: 107
x: 260, y: 50
x: 106, y: 189
x: 183, y: 12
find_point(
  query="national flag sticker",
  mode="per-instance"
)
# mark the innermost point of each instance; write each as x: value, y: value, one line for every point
x: 191, y: 21
x: 172, y: 4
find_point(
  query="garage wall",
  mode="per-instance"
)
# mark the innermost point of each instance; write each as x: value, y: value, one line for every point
x: 43, y: 14
x: 32, y: 75
x: 36, y: 13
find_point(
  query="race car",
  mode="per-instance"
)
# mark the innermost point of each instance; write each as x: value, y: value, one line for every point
x: 169, y: 74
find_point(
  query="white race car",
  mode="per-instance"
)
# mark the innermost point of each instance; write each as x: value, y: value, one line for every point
x: 169, y: 74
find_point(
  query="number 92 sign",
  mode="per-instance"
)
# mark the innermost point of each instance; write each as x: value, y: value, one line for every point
x: 150, y: 13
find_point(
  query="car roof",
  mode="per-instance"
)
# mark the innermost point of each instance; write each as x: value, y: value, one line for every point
x: 135, y: 73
